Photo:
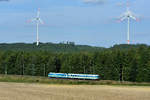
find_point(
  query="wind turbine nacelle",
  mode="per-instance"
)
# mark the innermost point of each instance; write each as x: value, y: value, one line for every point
x: 37, y: 18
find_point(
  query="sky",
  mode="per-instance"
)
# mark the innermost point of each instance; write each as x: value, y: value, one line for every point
x: 85, y: 22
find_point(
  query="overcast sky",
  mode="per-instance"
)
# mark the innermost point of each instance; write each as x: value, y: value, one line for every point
x: 87, y: 22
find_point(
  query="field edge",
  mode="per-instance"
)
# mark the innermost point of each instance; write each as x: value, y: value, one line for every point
x: 46, y: 80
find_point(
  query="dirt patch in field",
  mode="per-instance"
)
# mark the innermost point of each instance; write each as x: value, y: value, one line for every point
x: 20, y: 91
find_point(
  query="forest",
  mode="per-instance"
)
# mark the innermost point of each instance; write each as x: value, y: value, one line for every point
x: 120, y: 62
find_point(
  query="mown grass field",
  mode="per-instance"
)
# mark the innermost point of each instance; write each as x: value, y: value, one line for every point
x: 32, y: 91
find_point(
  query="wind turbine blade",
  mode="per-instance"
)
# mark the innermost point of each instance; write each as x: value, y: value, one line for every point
x: 41, y: 21
x: 122, y: 15
x: 123, y: 18
x: 29, y: 21
x: 128, y: 5
x: 133, y: 17
x: 38, y: 13
x: 32, y: 20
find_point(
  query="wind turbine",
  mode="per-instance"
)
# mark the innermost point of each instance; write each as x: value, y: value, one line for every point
x: 38, y: 21
x: 127, y: 16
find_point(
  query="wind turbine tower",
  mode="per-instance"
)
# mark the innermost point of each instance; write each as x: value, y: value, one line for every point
x: 128, y: 15
x: 38, y: 21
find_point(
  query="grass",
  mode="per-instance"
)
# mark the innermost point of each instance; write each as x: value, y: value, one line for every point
x: 45, y: 80
x: 27, y: 91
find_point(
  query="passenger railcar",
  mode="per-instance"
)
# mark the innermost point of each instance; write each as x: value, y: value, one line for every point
x: 74, y: 76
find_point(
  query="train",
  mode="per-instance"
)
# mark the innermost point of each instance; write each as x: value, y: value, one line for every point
x: 73, y: 76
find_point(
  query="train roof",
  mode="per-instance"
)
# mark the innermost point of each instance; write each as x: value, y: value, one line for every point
x: 74, y: 74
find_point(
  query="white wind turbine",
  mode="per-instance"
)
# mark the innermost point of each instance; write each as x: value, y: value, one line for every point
x: 38, y: 21
x: 128, y: 15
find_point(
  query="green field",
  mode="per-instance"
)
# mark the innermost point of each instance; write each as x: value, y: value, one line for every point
x: 46, y: 80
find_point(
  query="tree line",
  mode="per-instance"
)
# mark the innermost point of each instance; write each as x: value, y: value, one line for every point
x: 111, y: 64
x: 51, y: 47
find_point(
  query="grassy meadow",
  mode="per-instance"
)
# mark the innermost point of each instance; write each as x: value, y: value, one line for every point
x: 46, y: 80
